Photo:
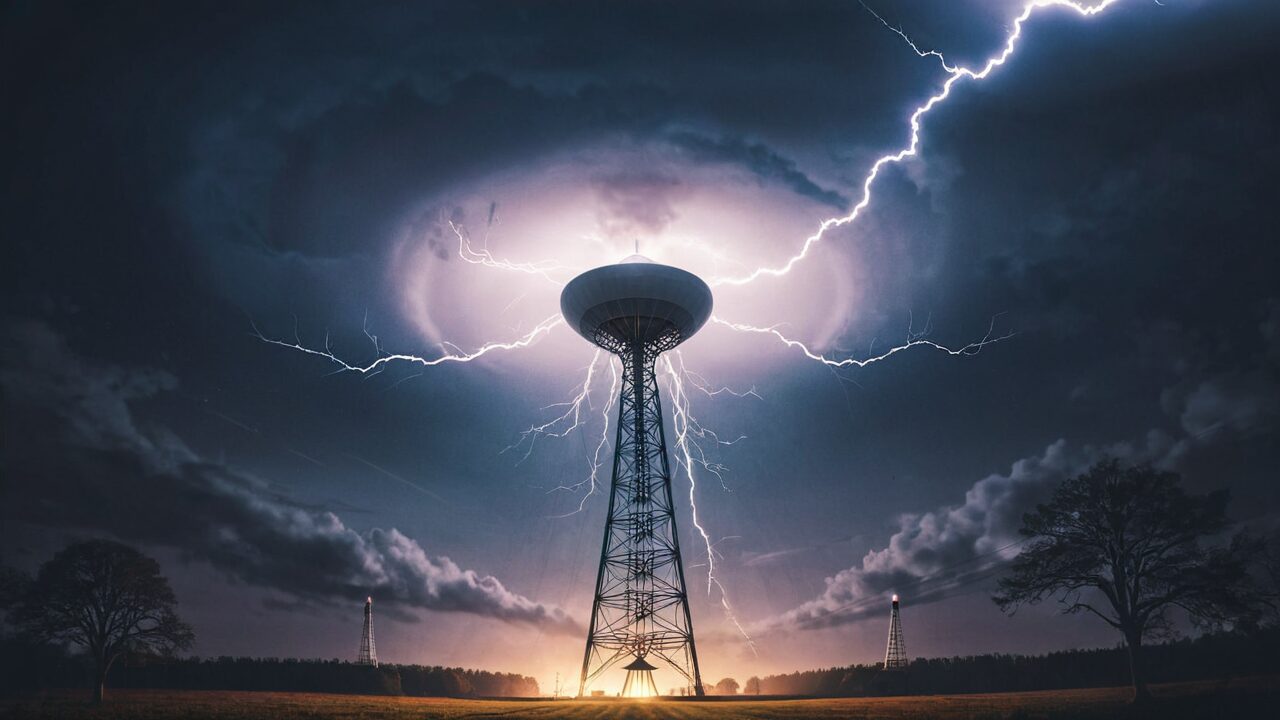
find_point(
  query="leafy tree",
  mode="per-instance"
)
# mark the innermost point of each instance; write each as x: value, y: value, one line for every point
x: 727, y: 686
x: 455, y: 684
x: 752, y: 686
x: 107, y: 598
x: 1125, y: 544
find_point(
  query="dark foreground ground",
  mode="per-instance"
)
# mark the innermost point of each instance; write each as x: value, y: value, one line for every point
x: 1237, y: 699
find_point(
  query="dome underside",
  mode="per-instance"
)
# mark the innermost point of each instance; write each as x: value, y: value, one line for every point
x: 636, y: 303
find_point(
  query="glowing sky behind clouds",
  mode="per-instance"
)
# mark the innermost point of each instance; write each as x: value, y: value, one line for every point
x: 573, y: 212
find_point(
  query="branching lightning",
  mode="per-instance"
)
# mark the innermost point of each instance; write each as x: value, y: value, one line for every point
x: 682, y: 424
x: 694, y: 429
x: 592, y: 481
x: 384, y: 359
x: 484, y: 257
x: 913, y: 340
x: 563, y: 424
x: 955, y: 75
x: 702, y: 385
x: 900, y: 33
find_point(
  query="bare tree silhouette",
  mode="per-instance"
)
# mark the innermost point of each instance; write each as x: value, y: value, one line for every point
x: 107, y: 598
x: 1126, y: 544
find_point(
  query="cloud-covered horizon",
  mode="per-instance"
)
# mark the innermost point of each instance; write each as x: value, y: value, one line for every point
x: 142, y: 483
x: 935, y: 554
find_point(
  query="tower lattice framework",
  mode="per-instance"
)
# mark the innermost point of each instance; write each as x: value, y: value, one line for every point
x: 368, y: 652
x: 895, y: 654
x: 640, y: 608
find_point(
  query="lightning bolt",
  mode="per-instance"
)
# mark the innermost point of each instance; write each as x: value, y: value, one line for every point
x: 955, y: 75
x: 702, y: 385
x: 910, y: 42
x: 682, y: 424
x: 560, y: 426
x: 569, y: 420
x: 695, y: 429
x: 913, y: 340
x: 456, y: 356
x: 484, y: 257
x: 592, y: 481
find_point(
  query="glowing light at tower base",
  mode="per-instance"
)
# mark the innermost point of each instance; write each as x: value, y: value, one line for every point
x: 639, y: 684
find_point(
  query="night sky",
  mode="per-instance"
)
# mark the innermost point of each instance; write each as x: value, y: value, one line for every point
x: 180, y: 177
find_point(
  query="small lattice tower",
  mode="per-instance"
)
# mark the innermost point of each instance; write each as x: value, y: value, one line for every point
x: 895, y: 654
x: 368, y: 652
x: 640, y: 618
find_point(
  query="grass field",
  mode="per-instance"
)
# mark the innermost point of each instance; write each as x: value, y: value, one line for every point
x: 1243, y: 698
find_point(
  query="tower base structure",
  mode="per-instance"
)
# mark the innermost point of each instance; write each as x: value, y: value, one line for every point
x: 641, y: 609
x: 639, y: 682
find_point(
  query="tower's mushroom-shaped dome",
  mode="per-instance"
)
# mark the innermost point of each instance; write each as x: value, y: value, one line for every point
x: 636, y: 301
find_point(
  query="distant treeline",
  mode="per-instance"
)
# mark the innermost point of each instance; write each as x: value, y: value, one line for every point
x: 1204, y: 658
x: 26, y: 667
x: 226, y: 673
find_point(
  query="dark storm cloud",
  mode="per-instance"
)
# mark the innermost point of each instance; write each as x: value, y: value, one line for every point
x: 325, y: 155
x: 1244, y: 402
x: 399, y: 147
x: 276, y: 149
x: 347, y: 175
x: 342, y: 142
x: 935, y: 555
x: 759, y: 159
x: 936, y: 552
x: 1233, y: 390
x: 144, y: 484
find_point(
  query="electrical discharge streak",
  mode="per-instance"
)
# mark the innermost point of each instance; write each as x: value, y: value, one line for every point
x: 687, y: 428
x: 956, y: 73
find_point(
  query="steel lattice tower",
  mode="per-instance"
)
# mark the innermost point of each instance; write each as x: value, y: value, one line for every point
x: 638, y: 310
x: 368, y: 653
x: 895, y: 654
